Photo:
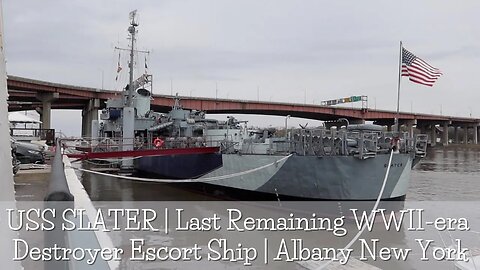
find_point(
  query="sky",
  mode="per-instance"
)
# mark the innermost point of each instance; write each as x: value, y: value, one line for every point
x: 278, y: 50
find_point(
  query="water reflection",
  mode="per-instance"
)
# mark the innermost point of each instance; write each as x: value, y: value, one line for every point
x: 103, y: 188
x: 451, y: 173
x: 451, y: 159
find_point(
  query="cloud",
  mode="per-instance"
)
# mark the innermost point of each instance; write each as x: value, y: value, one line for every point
x: 331, y: 48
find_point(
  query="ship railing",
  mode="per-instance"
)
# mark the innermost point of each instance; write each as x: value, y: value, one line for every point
x: 228, y: 143
x: 218, y: 138
x: 119, y: 144
x: 405, y: 141
x: 225, y: 143
x: 180, y: 142
x: 370, y: 142
x: 359, y: 144
x: 420, y: 145
x: 282, y: 146
x: 363, y: 144
x: 318, y: 142
x: 272, y: 147
x: 87, y: 144
x: 229, y: 147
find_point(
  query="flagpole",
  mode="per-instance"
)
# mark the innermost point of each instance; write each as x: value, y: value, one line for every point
x: 397, y: 126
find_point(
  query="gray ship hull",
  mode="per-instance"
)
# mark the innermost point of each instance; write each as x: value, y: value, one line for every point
x: 305, y: 177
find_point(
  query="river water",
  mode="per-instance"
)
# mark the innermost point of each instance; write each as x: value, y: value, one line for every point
x: 446, y: 184
x: 447, y: 174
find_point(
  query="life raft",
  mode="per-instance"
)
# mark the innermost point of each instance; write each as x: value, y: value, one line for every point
x: 158, y: 143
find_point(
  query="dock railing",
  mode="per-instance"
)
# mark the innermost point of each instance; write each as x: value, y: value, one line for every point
x: 58, y: 187
x: 59, y: 198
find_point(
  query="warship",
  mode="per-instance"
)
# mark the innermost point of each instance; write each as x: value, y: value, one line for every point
x: 303, y: 164
x: 348, y: 163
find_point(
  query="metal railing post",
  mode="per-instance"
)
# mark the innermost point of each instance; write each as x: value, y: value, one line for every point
x: 59, y: 199
x: 58, y: 187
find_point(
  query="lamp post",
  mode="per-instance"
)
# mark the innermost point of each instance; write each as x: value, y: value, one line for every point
x: 286, y: 126
x: 102, y: 77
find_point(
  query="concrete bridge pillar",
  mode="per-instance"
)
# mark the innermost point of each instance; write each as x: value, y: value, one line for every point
x: 84, y: 123
x: 46, y: 111
x: 445, y: 133
x: 465, y: 134
x: 457, y: 136
x: 46, y: 115
x: 89, y: 113
x: 475, y: 134
x: 433, y: 135
x: 409, y: 125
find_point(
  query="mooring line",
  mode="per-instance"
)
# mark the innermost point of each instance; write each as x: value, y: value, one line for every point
x: 370, y: 217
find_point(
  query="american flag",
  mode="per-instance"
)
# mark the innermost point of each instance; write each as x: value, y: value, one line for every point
x: 418, y: 70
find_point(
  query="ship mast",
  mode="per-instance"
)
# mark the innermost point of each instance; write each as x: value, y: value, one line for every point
x: 132, y: 30
x: 128, y: 128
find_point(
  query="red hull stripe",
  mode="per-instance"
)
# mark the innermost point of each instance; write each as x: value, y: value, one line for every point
x: 149, y: 152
